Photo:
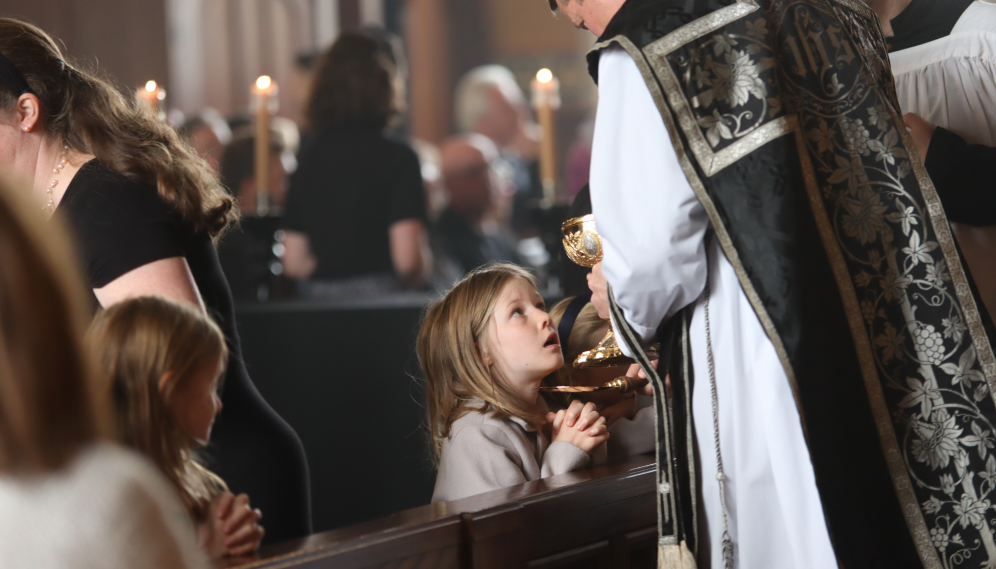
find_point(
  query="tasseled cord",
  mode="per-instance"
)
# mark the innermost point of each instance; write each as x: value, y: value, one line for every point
x: 678, y: 556
x: 675, y: 557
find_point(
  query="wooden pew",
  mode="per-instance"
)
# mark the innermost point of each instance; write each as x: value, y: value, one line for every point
x: 601, y: 517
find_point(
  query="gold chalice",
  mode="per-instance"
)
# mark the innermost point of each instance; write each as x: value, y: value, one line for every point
x: 583, y: 245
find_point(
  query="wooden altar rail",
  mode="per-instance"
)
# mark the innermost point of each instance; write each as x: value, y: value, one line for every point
x: 602, y: 517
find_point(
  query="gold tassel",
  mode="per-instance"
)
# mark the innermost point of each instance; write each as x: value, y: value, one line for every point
x: 675, y: 557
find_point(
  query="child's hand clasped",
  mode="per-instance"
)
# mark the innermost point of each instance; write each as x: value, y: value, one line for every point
x: 581, y: 425
x: 232, y: 527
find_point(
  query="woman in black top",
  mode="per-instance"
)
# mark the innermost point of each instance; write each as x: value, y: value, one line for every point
x: 355, y: 213
x: 144, y: 210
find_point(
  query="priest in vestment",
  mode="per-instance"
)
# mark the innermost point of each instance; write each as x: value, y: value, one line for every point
x: 766, y: 219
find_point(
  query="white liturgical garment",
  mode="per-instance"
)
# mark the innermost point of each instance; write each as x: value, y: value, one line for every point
x: 951, y: 82
x: 653, y: 227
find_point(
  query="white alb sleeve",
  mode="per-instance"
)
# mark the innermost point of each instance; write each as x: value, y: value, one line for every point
x: 651, y: 222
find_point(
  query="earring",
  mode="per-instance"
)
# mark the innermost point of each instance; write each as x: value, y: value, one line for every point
x: 26, y: 128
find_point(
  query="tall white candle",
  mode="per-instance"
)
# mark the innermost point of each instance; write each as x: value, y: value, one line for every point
x: 546, y: 100
x: 265, y: 104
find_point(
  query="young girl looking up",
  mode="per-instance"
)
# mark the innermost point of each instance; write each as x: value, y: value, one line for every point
x: 485, y: 348
x: 162, y: 361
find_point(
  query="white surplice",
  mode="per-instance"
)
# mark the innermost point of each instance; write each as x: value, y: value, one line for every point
x: 654, y: 258
x: 951, y: 82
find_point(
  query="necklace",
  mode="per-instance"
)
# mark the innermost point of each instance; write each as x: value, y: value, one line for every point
x: 50, y: 205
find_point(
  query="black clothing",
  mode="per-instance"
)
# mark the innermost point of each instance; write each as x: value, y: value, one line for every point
x: 574, y: 277
x: 350, y: 187
x: 925, y: 20
x: 466, y: 247
x: 847, y: 263
x: 965, y: 177
x: 122, y: 225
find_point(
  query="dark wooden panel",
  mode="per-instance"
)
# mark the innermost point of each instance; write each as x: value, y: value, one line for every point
x: 601, y: 517
x: 342, y: 376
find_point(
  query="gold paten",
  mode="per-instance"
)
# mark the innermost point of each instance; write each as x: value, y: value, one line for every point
x: 620, y: 384
x: 583, y: 245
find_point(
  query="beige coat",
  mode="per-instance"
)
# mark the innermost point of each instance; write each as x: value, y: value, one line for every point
x: 484, y: 454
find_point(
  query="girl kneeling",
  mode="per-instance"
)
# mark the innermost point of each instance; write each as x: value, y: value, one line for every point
x: 485, y: 348
x: 163, y: 361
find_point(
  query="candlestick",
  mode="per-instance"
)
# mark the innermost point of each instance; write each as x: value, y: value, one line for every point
x: 153, y: 97
x: 546, y: 100
x: 265, y: 104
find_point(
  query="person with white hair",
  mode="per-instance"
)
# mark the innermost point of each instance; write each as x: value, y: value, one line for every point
x: 466, y: 232
x: 490, y: 102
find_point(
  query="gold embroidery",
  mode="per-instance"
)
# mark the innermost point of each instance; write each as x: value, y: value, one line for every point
x: 939, y: 220
x: 862, y: 343
x: 717, y: 223
x: 928, y: 369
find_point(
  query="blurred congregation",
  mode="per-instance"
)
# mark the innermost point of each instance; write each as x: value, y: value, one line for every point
x: 435, y: 152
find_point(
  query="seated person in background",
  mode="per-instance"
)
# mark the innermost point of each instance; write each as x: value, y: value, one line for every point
x: 207, y: 133
x: 355, y: 214
x: 468, y: 231
x: 246, y: 252
x: 67, y: 499
x: 485, y: 348
x: 489, y: 101
x: 238, y: 172
x: 162, y: 362
x: 630, y: 416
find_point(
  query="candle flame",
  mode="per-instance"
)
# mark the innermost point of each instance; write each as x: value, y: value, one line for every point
x: 263, y: 82
x: 544, y: 75
x: 151, y: 86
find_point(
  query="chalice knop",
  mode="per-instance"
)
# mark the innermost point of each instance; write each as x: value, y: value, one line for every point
x: 583, y: 245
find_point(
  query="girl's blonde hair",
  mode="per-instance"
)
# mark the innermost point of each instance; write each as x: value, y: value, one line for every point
x: 452, y: 346
x: 136, y: 343
x: 50, y: 405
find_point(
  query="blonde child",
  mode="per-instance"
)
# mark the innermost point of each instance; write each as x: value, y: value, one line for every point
x: 162, y: 362
x: 485, y: 348
x: 629, y: 416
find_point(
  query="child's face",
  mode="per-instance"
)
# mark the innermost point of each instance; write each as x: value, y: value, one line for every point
x: 194, y: 403
x: 523, y: 346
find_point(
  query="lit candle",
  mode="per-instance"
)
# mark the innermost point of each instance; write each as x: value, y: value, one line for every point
x: 153, y: 97
x: 546, y: 99
x: 264, y: 102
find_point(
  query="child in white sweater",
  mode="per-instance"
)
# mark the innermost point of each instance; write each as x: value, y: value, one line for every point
x: 485, y: 348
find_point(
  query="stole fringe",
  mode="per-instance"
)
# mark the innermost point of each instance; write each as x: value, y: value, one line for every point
x: 675, y: 557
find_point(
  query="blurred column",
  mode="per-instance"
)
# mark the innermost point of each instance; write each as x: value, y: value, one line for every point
x: 326, y: 22
x: 349, y: 14
x: 429, y: 53
x: 372, y: 12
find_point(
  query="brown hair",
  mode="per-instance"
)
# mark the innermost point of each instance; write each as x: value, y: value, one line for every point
x: 90, y: 116
x: 50, y: 407
x: 452, y: 345
x: 136, y: 343
x: 354, y: 85
x: 587, y: 332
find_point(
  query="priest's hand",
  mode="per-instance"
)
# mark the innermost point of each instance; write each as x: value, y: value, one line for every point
x: 623, y: 409
x: 636, y: 371
x: 599, y: 291
x: 921, y: 131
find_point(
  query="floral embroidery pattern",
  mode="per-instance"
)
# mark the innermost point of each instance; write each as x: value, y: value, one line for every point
x: 933, y: 383
x: 830, y: 69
